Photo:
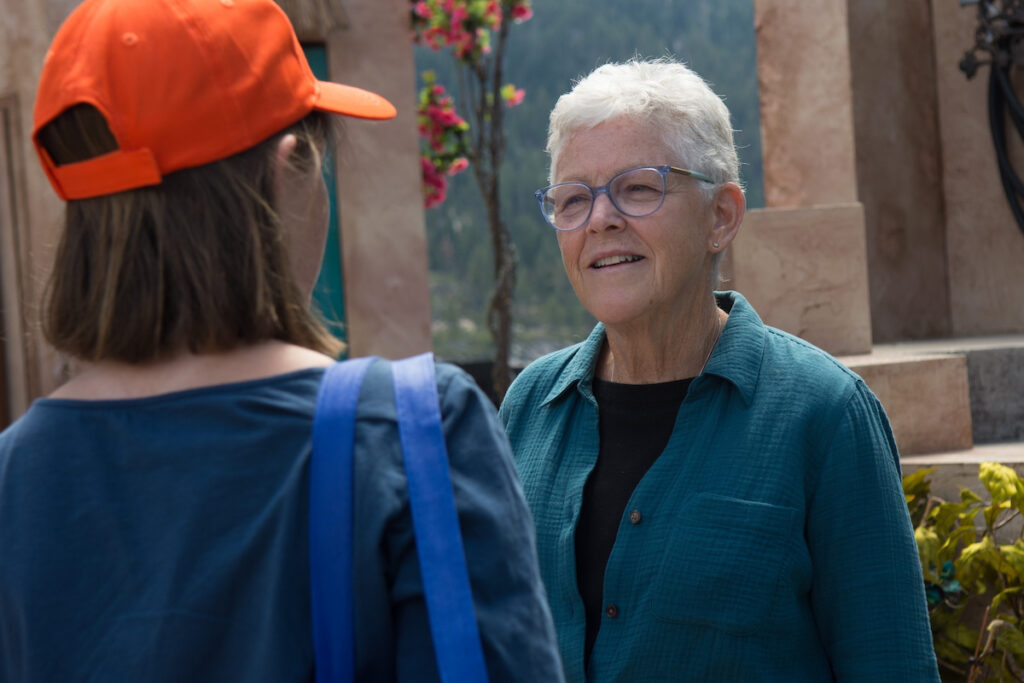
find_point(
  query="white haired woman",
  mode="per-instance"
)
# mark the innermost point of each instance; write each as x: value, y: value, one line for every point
x: 155, y: 509
x: 714, y: 499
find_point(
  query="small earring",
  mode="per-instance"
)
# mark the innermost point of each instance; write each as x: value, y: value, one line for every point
x: 715, y: 245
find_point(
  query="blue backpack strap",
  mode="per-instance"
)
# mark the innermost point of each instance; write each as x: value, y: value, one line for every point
x: 330, y: 519
x: 436, y: 524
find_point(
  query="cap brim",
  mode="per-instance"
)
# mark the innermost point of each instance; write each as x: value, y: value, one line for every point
x: 351, y: 101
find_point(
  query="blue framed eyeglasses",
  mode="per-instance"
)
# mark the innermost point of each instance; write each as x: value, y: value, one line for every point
x: 636, y: 193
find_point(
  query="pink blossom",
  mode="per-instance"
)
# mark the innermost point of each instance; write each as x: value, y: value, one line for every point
x: 458, y: 166
x: 422, y: 9
x: 522, y: 13
x: 434, y: 194
x: 450, y: 119
x: 515, y: 98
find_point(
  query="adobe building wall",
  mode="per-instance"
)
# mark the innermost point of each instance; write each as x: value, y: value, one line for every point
x: 379, y: 188
x: 984, y: 247
x: 899, y: 167
x: 383, y: 227
x: 29, y: 211
x: 803, y: 70
x: 864, y: 102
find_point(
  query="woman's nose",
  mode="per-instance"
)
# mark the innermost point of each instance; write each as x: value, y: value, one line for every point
x: 604, y: 215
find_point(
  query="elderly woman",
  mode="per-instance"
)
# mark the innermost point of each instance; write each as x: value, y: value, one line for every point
x: 714, y: 498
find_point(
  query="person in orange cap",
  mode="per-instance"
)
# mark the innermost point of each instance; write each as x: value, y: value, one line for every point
x: 154, y: 520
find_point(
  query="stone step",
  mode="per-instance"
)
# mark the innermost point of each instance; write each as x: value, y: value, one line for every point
x: 1008, y: 453
x: 944, y: 395
x: 956, y: 470
x: 925, y: 395
x: 995, y: 374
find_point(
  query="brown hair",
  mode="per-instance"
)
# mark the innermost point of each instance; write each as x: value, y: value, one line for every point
x: 197, y: 263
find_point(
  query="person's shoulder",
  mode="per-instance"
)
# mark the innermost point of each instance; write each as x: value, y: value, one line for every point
x: 801, y: 369
x: 455, y: 387
x: 776, y: 357
x: 451, y: 376
x: 25, y: 428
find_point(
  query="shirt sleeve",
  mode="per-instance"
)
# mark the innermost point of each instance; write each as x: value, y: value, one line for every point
x: 868, y: 592
x: 498, y: 537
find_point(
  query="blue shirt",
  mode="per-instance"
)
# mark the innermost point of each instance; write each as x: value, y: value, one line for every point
x: 166, y: 538
x: 769, y: 542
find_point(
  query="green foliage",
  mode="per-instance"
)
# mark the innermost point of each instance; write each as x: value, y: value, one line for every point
x: 566, y: 40
x: 973, y: 567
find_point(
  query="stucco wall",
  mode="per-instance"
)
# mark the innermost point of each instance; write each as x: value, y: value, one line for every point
x: 383, y: 231
x: 985, y: 249
x: 899, y: 167
x: 30, y: 211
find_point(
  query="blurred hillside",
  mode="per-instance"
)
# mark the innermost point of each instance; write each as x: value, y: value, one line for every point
x: 565, y: 40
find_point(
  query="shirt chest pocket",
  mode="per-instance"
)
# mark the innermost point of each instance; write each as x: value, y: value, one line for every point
x: 724, y: 563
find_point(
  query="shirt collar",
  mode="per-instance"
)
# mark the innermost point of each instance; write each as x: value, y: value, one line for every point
x: 736, y: 357
x: 579, y: 370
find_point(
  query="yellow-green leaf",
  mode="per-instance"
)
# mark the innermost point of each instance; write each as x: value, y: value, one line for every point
x: 915, y: 483
x: 928, y: 545
x: 948, y: 651
x: 993, y: 511
x: 1014, y: 554
x: 961, y: 634
x: 1003, y: 596
x: 965, y: 534
x: 1001, y: 481
x: 969, y: 496
x: 1010, y: 639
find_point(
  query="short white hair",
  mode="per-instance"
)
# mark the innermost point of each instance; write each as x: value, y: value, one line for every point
x: 693, y: 121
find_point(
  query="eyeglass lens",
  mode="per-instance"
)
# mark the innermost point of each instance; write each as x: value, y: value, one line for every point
x: 635, y: 193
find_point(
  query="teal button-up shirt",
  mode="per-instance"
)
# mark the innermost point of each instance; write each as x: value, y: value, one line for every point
x: 772, y: 542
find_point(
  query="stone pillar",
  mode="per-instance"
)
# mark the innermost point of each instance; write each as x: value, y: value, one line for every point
x: 803, y: 74
x: 380, y: 201
x: 802, y: 261
x: 899, y: 172
x: 30, y: 214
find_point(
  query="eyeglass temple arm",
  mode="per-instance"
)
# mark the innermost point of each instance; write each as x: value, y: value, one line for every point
x: 693, y: 174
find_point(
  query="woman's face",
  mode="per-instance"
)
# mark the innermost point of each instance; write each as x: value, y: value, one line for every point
x: 635, y: 270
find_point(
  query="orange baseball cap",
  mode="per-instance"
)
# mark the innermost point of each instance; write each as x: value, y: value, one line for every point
x: 181, y: 83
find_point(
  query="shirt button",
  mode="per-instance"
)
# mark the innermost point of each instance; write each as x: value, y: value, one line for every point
x: 612, y: 611
x: 635, y: 517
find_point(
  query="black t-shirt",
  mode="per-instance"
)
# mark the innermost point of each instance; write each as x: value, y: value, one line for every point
x: 634, y: 426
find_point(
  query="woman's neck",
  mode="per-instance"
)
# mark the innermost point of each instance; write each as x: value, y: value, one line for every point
x: 110, y: 380
x: 662, y: 351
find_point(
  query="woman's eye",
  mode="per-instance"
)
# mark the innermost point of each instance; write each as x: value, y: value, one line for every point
x: 574, y: 201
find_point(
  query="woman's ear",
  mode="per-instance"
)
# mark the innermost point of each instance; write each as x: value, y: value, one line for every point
x: 729, y: 206
x: 303, y: 208
x: 282, y: 153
